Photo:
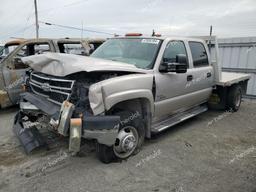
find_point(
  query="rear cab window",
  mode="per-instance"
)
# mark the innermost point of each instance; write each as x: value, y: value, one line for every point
x: 199, y: 54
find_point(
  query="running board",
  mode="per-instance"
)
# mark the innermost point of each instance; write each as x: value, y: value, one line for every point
x: 177, y: 118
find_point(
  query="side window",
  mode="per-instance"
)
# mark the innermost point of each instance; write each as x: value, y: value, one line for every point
x: 9, y: 48
x: 16, y: 62
x: 41, y: 48
x: 172, y: 49
x: 199, y: 55
x: 72, y: 48
x: 33, y: 49
x: 23, y: 52
x: 27, y: 50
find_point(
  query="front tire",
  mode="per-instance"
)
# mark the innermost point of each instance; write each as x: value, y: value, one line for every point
x: 130, y: 138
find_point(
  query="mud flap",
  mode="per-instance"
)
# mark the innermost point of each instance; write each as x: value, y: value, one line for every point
x: 30, y: 138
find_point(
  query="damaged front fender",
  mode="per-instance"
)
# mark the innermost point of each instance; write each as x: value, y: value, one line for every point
x: 105, y: 94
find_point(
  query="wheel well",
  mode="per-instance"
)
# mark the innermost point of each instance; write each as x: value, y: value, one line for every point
x: 220, y: 102
x: 140, y: 105
x: 243, y: 85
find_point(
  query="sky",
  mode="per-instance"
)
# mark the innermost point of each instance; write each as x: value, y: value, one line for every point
x: 229, y: 18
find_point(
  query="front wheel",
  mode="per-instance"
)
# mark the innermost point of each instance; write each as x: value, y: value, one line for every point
x: 129, y: 139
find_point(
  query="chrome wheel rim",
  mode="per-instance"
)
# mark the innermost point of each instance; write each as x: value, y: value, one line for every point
x: 126, y: 142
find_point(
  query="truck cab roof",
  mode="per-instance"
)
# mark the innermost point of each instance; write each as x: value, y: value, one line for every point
x: 162, y: 38
x: 62, y: 40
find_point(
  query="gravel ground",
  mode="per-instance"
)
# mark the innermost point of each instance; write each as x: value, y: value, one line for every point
x: 215, y: 151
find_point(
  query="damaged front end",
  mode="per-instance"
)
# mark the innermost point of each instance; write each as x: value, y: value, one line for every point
x: 65, y: 104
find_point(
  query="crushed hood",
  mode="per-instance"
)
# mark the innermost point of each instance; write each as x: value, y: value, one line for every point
x: 59, y: 64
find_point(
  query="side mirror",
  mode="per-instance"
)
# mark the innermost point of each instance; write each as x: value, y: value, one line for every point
x: 180, y: 66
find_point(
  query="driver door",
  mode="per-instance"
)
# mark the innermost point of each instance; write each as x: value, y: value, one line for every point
x: 172, y: 88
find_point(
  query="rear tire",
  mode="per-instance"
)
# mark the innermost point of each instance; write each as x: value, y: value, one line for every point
x: 130, y: 138
x: 234, y: 98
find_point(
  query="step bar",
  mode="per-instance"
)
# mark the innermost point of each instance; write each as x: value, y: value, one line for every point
x: 177, y: 118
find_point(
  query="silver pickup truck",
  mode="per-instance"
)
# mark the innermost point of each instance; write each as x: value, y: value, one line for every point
x: 12, y: 69
x: 128, y: 89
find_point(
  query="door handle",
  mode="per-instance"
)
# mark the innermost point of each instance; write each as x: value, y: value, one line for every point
x: 209, y: 75
x: 189, y: 77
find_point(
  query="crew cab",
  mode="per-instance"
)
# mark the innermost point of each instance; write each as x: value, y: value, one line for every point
x: 128, y: 89
x: 13, y: 69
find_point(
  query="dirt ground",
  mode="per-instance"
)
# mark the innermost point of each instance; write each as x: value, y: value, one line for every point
x: 215, y: 151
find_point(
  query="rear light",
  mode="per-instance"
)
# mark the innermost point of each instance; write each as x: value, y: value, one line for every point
x: 133, y: 34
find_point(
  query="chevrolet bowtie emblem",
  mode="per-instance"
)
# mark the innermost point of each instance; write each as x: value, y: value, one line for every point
x: 46, y: 87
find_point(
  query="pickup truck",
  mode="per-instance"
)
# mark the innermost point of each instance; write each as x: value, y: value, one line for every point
x: 12, y: 69
x: 128, y: 89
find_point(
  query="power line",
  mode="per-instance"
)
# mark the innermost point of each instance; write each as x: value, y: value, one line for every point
x: 19, y: 31
x: 76, y: 28
x: 63, y: 6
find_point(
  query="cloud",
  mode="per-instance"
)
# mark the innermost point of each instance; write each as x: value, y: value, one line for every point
x: 170, y: 17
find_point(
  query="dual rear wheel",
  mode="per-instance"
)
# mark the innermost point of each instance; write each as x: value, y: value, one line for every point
x: 234, y: 98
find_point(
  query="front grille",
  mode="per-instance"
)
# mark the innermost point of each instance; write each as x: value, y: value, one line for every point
x: 54, y: 89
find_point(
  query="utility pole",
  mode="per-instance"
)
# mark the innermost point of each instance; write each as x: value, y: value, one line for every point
x: 36, y: 16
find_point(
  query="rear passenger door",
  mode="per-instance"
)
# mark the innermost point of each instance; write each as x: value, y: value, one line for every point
x: 202, y: 78
x: 177, y: 92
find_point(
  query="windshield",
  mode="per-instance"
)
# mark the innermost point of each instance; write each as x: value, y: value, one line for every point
x: 139, y: 52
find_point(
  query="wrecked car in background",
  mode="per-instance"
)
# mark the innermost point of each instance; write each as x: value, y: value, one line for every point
x: 128, y: 89
x: 10, y: 46
x: 13, y: 69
